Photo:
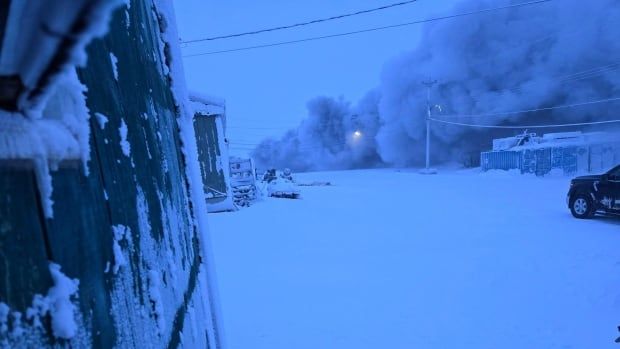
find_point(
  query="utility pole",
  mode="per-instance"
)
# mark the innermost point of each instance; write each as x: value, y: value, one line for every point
x: 429, y: 85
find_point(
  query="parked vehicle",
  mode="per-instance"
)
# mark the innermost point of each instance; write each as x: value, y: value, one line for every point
x: 281, y: 184
x: 591, y: 194
x: 243, y: 181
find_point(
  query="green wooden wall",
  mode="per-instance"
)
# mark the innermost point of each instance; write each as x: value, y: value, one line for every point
x: 160, y: 293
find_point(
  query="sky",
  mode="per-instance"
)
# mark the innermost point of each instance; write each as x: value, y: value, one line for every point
x: 267, y: 89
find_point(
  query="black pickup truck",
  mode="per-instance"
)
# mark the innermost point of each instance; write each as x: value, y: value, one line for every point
x: 591, y: 194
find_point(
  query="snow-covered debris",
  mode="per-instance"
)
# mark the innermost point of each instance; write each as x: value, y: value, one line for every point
x: 114, y: 62
x: 125, y: 146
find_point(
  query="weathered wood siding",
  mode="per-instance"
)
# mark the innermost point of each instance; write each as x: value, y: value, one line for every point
x: 213, y: 159
x: 159, y: 298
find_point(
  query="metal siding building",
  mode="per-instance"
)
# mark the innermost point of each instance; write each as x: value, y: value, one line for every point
x: 583, y: 154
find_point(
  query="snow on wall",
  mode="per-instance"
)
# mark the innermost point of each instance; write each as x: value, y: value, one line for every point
x: 101, y: 119
x: 19, y: 330
x: 121, y: 233
x: 125, y: 146
x: 61, y: 306
x: 164, y: 267
x: 171, y: 54
x: 114, y: 62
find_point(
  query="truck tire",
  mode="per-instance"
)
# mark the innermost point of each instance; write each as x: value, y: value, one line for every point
x: 581, y: 206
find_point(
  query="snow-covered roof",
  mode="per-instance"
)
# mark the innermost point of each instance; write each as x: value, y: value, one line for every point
x: 562, y: 136
x: 206, y: 99
x: 207, y: 105
x: 565, y: 139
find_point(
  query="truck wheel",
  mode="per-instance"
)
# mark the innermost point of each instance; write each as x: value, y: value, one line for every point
x: 581, y: 207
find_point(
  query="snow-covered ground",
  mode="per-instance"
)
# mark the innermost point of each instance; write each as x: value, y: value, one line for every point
x: 394, y: 259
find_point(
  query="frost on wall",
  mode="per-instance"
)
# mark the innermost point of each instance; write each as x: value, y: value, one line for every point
x: 162, y: 275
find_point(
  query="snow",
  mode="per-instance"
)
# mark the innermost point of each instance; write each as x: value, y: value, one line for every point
x: 4, y: 317
x: 125, y: 146
x: 101, y: 119
x: 156, y: 300
x: 394, y: 259
x: 114, y: 62
x: 62, y: 309
x: 207, y: 104
x: 121, y: 233
x: 59, y: 303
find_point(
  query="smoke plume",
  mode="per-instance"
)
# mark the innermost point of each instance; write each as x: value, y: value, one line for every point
x: 555, y: 53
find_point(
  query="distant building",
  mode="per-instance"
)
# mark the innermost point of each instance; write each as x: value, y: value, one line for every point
x: 210, y: 128
x: 567, y: 153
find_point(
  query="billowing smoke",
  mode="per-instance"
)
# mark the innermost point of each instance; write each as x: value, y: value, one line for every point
x: 556, y: 53
x: 333, y: 136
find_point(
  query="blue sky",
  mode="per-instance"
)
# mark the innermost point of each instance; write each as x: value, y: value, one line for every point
x: 267, y: 89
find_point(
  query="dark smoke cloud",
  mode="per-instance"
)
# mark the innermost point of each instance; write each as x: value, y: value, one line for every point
x: 515, y: 59
x: 326, y: 138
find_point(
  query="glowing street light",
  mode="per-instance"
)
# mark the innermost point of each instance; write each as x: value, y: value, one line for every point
x: 357, y: 134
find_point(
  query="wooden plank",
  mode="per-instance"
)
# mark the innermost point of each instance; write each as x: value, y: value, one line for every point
x: 23, y: 256
x: 80, y: 241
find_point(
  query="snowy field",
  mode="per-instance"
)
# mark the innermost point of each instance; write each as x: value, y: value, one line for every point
x: 388, y: 259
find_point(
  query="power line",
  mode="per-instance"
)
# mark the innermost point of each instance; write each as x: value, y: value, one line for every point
x: 581, y: 75
x: 301, y: 24
x: 371, y: 29
x: 599, y: 69
x: 527, y: 126
x: 531, y: 110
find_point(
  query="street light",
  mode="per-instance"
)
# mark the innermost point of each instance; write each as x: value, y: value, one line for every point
x: 357, y: 134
